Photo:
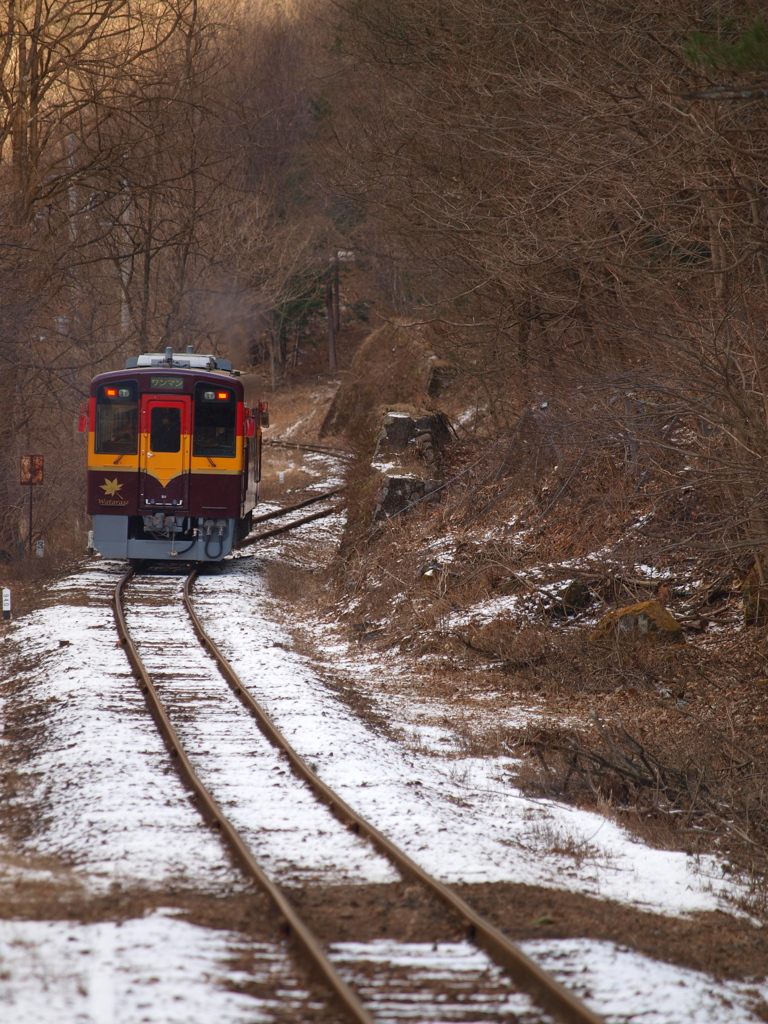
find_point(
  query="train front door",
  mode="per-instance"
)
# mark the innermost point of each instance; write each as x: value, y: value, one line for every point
x: 165, y: 453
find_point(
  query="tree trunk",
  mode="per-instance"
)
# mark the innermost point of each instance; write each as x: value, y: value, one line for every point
x: 331, y: 328
x: 336, y: 309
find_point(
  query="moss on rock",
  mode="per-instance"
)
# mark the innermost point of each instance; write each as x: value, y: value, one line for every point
x: 646, y: 619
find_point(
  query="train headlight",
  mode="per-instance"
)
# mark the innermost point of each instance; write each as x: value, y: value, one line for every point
x: 124, y: 393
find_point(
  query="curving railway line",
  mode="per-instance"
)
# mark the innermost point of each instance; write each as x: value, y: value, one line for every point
x: 159, y: 627
x: 293, y: 523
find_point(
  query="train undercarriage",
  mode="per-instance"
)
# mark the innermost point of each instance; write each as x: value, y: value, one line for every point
x: 161, y: 536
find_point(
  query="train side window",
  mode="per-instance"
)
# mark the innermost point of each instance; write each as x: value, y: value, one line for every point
x: 117, y: 418
x: 215, y: 422
x: 165, y: 429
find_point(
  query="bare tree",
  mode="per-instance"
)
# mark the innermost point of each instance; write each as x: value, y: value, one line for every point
x: 567, y: 215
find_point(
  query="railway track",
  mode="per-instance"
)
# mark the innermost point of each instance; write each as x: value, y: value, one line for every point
x: 294, y: 523
x: 185, y: 704
x: 320, y: 449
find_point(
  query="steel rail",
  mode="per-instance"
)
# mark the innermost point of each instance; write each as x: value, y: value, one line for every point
x: 211, y: 810
x: 290, y: 526
x: 294, y: 508
x: 548, y: 992
x: 321, y: 448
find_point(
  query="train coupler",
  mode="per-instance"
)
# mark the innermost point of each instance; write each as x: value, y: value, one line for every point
x: 162, y: 523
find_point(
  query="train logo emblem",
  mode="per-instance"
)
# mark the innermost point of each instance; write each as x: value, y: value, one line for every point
x: 111, y: 488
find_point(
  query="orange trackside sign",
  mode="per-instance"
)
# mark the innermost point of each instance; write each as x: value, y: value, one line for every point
x: 31, y: 469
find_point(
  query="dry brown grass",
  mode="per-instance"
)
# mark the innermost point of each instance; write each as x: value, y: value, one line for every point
x: 669, y: 741
x: 390, y: 368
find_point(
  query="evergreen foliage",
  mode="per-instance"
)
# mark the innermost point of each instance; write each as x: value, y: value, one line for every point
x: 729, y: 49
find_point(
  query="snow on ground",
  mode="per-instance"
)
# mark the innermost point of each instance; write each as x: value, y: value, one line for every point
x: 293, y: 836
x: 626, y: 987
x: 109, y: 973
x: 97, y: 774
x: 459, y: 817
x: 520, y: 607
x: 459, y: 982
x: 107, y: 803
x: 528, y: 604
x: 154, y: 970
x: 329, y: 470
x: 615, y: 981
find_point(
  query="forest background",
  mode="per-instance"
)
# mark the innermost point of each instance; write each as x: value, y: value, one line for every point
x: 572, y: 197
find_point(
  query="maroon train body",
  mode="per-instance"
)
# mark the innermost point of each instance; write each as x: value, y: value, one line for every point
x: 174, y: 457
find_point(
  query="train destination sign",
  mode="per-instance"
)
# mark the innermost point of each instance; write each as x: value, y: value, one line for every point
x: 167, y: 383
x: 31, y: 469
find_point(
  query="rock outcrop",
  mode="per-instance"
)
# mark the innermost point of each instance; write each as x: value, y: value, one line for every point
x: 575, y: 598
x: 398, y: 492
x: 429, y: 433
x: 647, y: 619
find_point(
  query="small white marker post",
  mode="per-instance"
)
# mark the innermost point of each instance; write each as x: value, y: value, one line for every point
x: 40, y: 549
x: 6, y: 603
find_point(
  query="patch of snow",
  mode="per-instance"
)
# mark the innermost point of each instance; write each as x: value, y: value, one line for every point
x: 458, y: 982
x: 469, y: 414
x: 293, y: 836
x: 625, y: 986
x: 651, y: 573
x: 329, y: 468
x: 461, y: 819
x: 97, y: 770
x: 491, y: 609
x: 641, y: 522
x: 432, y: 739
x: 444, y: 544
x: 621, y: 985
x: 391, y: 467
x: 157, y: 969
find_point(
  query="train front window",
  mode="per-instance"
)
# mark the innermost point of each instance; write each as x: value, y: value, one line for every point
x: 215, y: 422
x: 117, y: 419
x: 165, y: 429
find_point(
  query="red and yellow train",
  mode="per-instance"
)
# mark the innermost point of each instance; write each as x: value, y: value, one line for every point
x: 174, y: 457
